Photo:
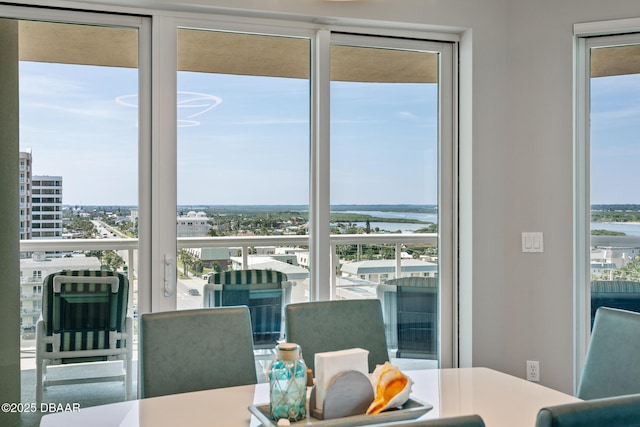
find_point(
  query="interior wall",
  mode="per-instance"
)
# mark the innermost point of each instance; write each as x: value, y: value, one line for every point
x: 9, y: 230
x: 539, y: 173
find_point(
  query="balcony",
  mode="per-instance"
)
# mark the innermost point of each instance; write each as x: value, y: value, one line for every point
x: 340, y: 287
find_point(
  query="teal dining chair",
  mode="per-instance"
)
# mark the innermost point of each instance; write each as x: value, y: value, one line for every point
x: 612, y: 364
x: 621, y: 411
x: 191, y: 350
x: 322, y: 326
x: 459, y: 421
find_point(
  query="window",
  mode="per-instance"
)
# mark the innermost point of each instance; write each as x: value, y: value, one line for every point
x: 608, y: 206
x: 83, y: 95
x: 242, y: 153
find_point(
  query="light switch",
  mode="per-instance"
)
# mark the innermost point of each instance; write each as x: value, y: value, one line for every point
x: 532, y: 242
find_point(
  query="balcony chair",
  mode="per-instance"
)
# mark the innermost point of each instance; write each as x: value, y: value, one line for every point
x: 622, y: 294
x: 322, y: 326
x: 410, y: 308
x: 612, y: 364
x: 83, y: 320
x: 459, y: 421
x: 191, y: 350
x: 265, y: 292
x: 621, y: 411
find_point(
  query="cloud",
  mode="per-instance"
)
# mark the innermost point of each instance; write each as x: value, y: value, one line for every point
x: 31, y: 85
x: 406, y: 115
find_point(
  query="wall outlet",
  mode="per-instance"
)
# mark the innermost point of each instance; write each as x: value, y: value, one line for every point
x: 533, y: 370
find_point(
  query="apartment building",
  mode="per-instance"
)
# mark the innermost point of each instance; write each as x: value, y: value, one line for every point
x: 46, y: 206
x: 193, y: 224
x: 24, y: 183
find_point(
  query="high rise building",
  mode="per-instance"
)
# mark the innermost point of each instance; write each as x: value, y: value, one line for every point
x: 25, y: 171
x: 46, y: 201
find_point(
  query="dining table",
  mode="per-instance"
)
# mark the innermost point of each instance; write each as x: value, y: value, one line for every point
x: 502, y: 400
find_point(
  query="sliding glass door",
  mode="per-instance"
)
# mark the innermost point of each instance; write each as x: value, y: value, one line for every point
x: 79, y: 142
x: 391, y: 153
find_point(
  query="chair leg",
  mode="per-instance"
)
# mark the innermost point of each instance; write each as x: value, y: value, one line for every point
x: 39, y: 362
x: 129, y: 359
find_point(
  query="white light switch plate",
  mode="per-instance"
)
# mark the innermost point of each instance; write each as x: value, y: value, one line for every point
x: 532, y: 242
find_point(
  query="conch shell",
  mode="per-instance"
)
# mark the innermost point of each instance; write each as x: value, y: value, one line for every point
x: 391, y: 386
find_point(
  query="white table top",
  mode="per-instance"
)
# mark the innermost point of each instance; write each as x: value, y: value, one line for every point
x: 501, y: 400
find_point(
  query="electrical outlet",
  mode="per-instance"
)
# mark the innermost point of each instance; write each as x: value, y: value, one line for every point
x: 533, y: 370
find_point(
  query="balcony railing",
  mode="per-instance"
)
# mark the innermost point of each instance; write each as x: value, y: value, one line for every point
x: 241, y: 242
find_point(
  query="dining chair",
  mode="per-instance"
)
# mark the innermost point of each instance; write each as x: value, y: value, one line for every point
x: 322, y: 326
x: 612, y: 364
x: 265, y: 292
x: 620, y: 411
x: 459, y: 421
x: 191, y: 350
x: 410, y: 311
x: 84, y: 319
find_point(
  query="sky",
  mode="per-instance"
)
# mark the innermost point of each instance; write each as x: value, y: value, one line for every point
x: 615, y: 139
x: 241, y: 139
x: 245, y: 139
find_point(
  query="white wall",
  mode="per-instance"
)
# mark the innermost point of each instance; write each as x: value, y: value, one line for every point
x: 539, y: 172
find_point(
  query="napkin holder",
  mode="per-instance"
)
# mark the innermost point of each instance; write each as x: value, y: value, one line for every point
x: 349, y: 393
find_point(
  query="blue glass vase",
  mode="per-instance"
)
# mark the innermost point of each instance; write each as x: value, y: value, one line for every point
x: 288, y: 384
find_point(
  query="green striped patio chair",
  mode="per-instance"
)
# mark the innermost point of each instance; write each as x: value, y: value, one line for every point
x: 265, y: 292
x: 83, y: 320
x: 410, y: 307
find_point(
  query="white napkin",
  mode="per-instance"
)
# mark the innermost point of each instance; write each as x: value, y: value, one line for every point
x: 330, y: 363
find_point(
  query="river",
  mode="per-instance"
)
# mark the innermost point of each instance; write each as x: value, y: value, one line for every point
x: 630, y: 229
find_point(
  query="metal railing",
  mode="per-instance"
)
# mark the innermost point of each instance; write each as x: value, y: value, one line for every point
x: 240, y: 242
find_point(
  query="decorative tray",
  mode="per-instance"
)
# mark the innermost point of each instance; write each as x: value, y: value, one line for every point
x: 410, y: 410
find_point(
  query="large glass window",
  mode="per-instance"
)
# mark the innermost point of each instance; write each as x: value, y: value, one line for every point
x: 385, y: 186
x: 614, y: 199
x: 78, y: 169
x: 608, y: 106
x: 243, y: 158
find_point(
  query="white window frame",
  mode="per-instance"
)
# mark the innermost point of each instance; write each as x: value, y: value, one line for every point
x: 587, y: 36
x: 143, y: 24
x: 158, y: 137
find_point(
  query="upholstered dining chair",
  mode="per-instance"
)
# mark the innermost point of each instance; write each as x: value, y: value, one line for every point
x: 621, y: 411
x: 612, y: 364
x: 322, y: 326
x: 191, y: 350
x: 459, y: 421
x: 84, y: 319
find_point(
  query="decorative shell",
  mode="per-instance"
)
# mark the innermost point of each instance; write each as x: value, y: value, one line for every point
x: 391, y: 386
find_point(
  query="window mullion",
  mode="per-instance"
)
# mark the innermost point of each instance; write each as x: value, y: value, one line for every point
x: 319, y: 209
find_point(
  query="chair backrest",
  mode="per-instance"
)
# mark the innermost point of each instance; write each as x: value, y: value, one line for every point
x: 82, y: 308
x: 612, y: 364
x: 265, y: 292
x: 622, y: 294
x: 190, y: 350
x: 337, y: 325
x: 622, y: 411
x: 460, y: 421
x: 416, y: 316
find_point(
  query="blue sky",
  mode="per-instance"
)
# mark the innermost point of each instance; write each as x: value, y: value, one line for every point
x: 245, y: 141
x: 615, y: 139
